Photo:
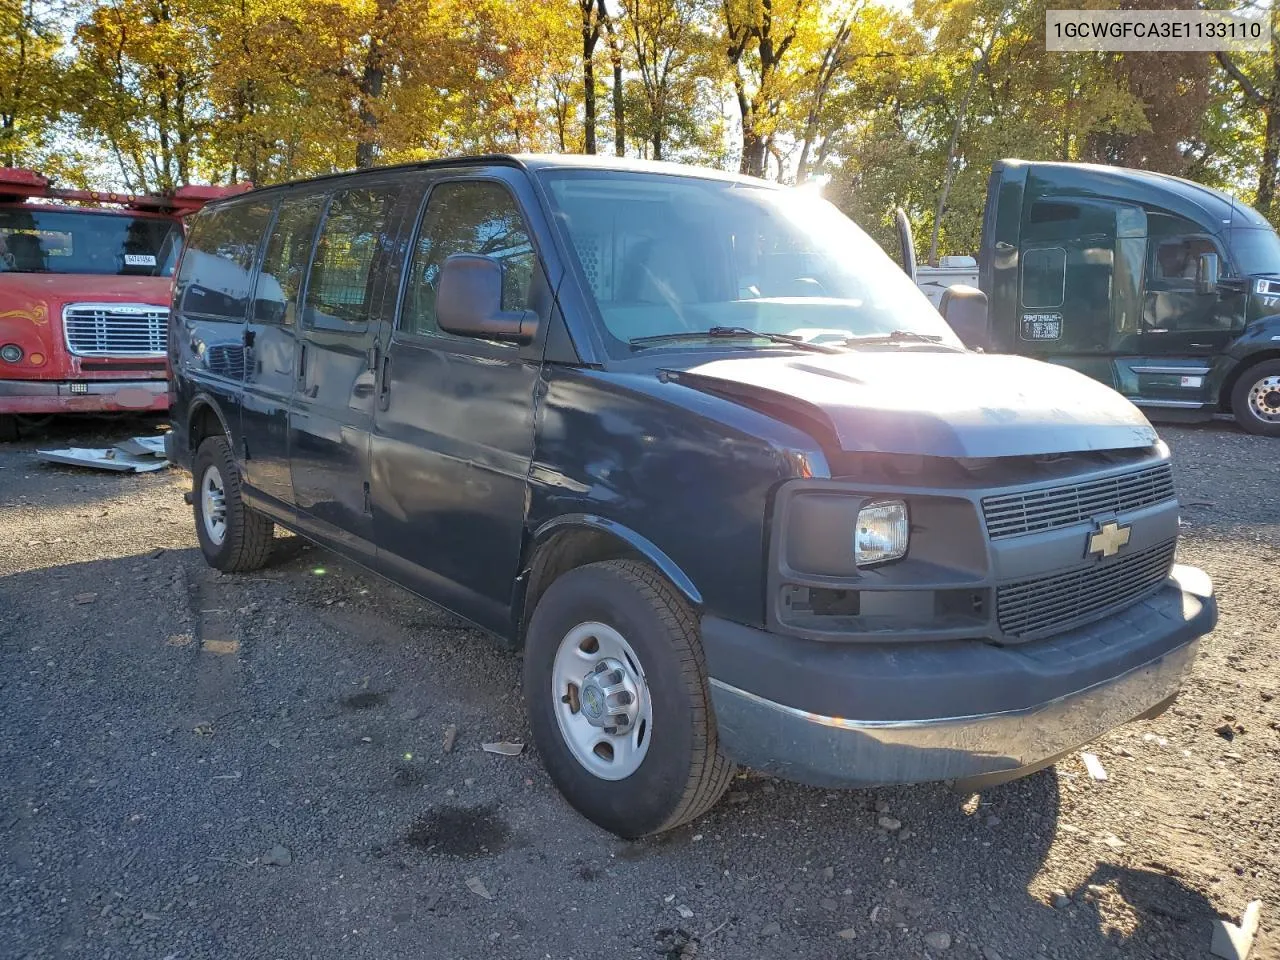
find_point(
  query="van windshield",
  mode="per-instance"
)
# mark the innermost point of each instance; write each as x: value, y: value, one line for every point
x: 669, y: 254
x: 40, y: 240
x: 1255, y: 251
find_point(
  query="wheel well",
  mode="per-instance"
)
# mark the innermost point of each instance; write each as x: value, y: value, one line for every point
x: 1228, y: 385
x: 204, y: 423
x: 563, y: 552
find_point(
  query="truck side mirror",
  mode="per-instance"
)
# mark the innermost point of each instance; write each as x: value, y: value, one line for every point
x: 906, y: 242
x: 469, y: 301
x: 1207, y: 273
x: 965, y: 310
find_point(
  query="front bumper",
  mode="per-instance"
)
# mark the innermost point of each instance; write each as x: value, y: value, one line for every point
x: 36, y: 397
x: 877, y: 714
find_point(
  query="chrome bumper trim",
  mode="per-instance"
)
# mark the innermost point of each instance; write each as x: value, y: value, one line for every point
x: 836, y: 751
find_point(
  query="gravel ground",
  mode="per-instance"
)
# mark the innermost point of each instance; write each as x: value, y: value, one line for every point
x: 203, y: 766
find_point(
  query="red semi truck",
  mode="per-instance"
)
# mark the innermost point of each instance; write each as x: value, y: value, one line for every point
x: 85, y: 283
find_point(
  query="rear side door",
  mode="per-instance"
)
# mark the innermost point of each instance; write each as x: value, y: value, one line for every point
x: 271, y: 348
x: 454, y: 427
x: 332, y: 409
x: 211, y: 301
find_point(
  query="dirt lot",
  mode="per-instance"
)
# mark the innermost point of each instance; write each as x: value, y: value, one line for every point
x: 203, y: 766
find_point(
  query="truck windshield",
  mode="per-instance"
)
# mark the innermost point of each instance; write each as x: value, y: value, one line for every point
x: 669, y: 254
x: 36, y: 240
x: 1256, y: 251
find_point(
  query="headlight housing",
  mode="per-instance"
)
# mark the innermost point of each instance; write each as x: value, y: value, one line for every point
x: 882, y: 533
x: 11, y: 353
x: 835, y: 534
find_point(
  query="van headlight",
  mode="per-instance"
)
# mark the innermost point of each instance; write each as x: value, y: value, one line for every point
x: 835, y: 534
x: 881, y: 533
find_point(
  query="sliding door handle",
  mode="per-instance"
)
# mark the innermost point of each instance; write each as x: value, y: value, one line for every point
x: 384, y: 383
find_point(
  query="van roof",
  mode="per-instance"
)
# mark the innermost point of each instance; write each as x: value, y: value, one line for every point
x: 527, y: 161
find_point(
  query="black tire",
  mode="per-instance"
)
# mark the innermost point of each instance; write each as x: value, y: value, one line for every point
x: 1243, y: 401
x: 683, y: 773
x: 8, y: 428
x: 246, y: 540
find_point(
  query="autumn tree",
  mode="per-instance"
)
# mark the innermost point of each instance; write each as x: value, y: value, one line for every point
x: 30, y: 79
x: 668, y: 46
x: 1256, y: 79
x: 757, y: 36
x: 140, y: 80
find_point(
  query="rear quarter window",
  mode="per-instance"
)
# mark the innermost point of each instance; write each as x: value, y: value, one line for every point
x: 217, y: 268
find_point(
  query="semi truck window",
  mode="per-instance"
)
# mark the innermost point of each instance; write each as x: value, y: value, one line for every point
x: 353, y: 242
x: 218, y: 264
x: 1044, y: 277
x: 476, y: 217
x: 285, y: 262
x: 1176, y: 258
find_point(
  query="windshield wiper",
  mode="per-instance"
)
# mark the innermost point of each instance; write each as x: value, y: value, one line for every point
x: 735, y: 333
x: 898, y: 336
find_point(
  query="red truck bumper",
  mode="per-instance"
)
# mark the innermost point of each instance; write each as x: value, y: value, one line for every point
x: 35, y: 397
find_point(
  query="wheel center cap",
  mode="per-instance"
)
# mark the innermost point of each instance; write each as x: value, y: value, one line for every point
x: 592, y: 702
x: 608, y: 698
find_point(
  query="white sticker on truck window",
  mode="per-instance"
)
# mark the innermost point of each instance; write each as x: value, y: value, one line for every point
x: 139, y: 260
x: 1041, y: 326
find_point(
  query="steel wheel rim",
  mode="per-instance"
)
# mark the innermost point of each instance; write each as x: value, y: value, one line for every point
x: 596, y: 681
x: 213, y: 505
x: 1264, y: 399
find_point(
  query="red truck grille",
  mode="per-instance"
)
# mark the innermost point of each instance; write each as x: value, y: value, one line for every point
x: 115, y: 329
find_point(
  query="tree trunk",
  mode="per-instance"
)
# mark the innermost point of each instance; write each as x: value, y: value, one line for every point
x: 615, y: 54
x: 1270, y: 157
x: 961, y: 113
x: 371, y: 82
x: 590, y: 34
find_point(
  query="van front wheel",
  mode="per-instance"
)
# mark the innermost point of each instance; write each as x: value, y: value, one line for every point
x: 1255, y: 400
x: 233, y: 538
x: 616, y: 686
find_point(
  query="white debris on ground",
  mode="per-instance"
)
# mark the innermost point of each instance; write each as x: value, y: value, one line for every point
x: 135, y: 455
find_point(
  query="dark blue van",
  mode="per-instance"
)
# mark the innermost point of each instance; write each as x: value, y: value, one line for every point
x: 703, y: 453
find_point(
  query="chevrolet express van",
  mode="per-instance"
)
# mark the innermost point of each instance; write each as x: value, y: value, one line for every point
x: 702, y: 452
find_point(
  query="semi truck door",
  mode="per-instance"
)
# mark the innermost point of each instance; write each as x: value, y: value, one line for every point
x: 1066, y: 264
x: 1178, y: 319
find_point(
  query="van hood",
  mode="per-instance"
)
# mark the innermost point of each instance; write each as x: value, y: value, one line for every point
x: 940, y: 404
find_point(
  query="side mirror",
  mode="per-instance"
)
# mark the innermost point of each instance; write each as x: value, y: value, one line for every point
x: 469, y: 301
x: 906, y: 242
x: 965, y: 310
x: 1207, y: 273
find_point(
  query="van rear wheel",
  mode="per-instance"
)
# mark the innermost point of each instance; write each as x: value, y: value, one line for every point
x: 233, y: 538
x: 1255, y: 400
x: 616, y: 685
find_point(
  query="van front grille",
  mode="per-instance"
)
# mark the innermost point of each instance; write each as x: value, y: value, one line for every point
x: 1032, y: 609
x: 1032, y: 511
x: 115, y: 329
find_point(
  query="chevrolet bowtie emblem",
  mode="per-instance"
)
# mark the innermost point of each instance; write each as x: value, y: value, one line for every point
x: 1108, y: 540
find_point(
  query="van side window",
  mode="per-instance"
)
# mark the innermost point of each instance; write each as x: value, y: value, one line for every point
x: 1044, y: 277
x: 218, y: 263
x: 285, y: 262
x: 467, y: 217
x: 354, y: 242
